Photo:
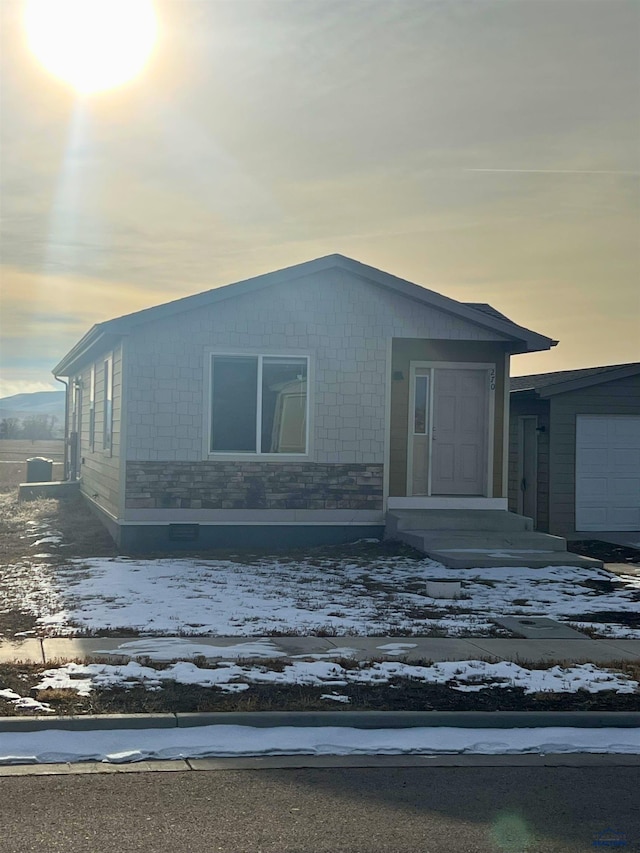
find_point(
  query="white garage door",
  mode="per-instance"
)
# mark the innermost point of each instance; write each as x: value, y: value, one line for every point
x: 608, y: 472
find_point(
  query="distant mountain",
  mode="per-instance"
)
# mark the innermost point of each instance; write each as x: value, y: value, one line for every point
x: 39, y: 403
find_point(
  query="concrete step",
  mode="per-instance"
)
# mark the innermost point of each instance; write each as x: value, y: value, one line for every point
x: 486, y: 558
x: 458, y: 519
x: 538, y: 628
x: 483, y: 539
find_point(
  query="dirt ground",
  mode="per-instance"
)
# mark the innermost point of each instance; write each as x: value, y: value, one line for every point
x: 81, y: 532
x: 605, y: 551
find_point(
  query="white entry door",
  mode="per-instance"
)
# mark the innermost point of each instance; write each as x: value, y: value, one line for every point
x: 449, y: 430
x: 608, y: 472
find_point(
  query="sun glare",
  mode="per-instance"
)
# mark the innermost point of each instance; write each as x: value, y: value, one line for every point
x: 91, y: 44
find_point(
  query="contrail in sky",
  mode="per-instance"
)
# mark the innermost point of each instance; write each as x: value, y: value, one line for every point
x: 559, y: 171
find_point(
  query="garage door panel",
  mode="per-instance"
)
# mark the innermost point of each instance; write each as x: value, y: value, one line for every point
x: 625, y: 487
x: 594, y: 462
x: 591, y: 489
x: 593, y: 518
x: 607, y: 472
x: 625, y: 460
x: 626, y: 430
x: 594, y: 432
x: 628, y: 517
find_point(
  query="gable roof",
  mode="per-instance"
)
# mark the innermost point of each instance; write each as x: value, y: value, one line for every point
x: 481, y: 314
x: 485, y: 308
x: 561, y: 381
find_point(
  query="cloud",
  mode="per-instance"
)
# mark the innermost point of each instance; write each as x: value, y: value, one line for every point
x: 486, y: 150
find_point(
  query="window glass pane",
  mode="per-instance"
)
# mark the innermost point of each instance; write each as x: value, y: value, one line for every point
x: 92, y: 407
x: 234, y: 406
x: 108, y: 405
x: 284, y: 405
x: 420, y: 406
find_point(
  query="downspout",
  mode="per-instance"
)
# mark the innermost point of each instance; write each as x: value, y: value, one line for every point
x: 65, y: 473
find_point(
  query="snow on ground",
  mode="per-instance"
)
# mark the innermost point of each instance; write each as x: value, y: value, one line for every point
x: 25, y: 702
x: 335, y: 597
x: 130, y: 745
x: 381, y: 596
x: 470, y: 675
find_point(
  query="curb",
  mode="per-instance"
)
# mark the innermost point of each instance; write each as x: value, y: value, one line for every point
x: 350, y: 719
x: 588, y: 760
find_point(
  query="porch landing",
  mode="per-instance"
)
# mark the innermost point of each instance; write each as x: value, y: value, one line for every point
x: 467, y: 539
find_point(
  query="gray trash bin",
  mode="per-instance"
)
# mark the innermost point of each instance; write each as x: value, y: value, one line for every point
x: 39, y: 470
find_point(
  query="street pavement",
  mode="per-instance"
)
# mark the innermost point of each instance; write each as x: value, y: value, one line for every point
x: 471, y: 809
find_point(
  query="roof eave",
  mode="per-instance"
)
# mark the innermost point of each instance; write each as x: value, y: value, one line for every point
x: 533, y: 341
x: 96, y: 339
x: 589, y: 381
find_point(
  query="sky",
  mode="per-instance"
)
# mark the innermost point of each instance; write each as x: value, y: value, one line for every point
x: 488, y: 150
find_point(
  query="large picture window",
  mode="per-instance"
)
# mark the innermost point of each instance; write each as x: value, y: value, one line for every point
x: 258, y: 404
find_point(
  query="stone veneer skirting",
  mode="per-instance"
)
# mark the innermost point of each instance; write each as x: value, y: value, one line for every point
x: 253, y: 485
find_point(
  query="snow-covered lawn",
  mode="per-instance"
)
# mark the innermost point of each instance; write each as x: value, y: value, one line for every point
x: 369, y: 594
x: 128, y: 745
x: 269, y: 596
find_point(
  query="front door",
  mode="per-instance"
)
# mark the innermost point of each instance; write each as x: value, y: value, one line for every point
x: 449, y: 430
x: 528, y: 467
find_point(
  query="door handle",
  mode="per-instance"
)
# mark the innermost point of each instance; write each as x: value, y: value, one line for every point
x: 523, y: 485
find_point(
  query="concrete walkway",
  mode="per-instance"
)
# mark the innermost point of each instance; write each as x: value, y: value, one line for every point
x: 580, y: 649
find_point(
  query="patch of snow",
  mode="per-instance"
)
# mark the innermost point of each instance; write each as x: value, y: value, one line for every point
x: 396, y: 648
x: 167, y: 648
x: 336, y: 697
x: 53, y: 540
x: 339, y: 652
x: 471, y: 675
x: 606, y: 630
x: 130, y: 745
x: 25, y: 702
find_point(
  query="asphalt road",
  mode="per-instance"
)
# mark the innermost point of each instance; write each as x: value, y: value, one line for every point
x: 338, y: 810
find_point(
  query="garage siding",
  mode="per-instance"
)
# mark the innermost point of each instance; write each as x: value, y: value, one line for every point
x: 620, y: 397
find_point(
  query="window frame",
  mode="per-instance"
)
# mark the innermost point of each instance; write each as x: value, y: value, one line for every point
x: 239, y: 455
x: 107, y: 411
x: 92, y: 408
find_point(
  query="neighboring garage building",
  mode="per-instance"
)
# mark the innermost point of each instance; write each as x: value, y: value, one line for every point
x: 574, y: 450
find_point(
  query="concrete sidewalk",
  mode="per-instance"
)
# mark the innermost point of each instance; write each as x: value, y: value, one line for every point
x: 572, y: 649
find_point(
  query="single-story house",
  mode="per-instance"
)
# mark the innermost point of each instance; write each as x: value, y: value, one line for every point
x: 574, y: 459
x: 295, y: 407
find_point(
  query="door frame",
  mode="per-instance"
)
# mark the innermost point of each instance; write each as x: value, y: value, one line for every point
x: 521, y: 467
x: 491, y: 371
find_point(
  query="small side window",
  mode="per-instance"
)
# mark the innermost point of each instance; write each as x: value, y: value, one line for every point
x: 107, y: 431
x: 92, y: 408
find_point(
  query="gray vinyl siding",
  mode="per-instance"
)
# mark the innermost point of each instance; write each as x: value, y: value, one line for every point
x: 621, y: 397
x: 529, y: 405
x: 100, y: 468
